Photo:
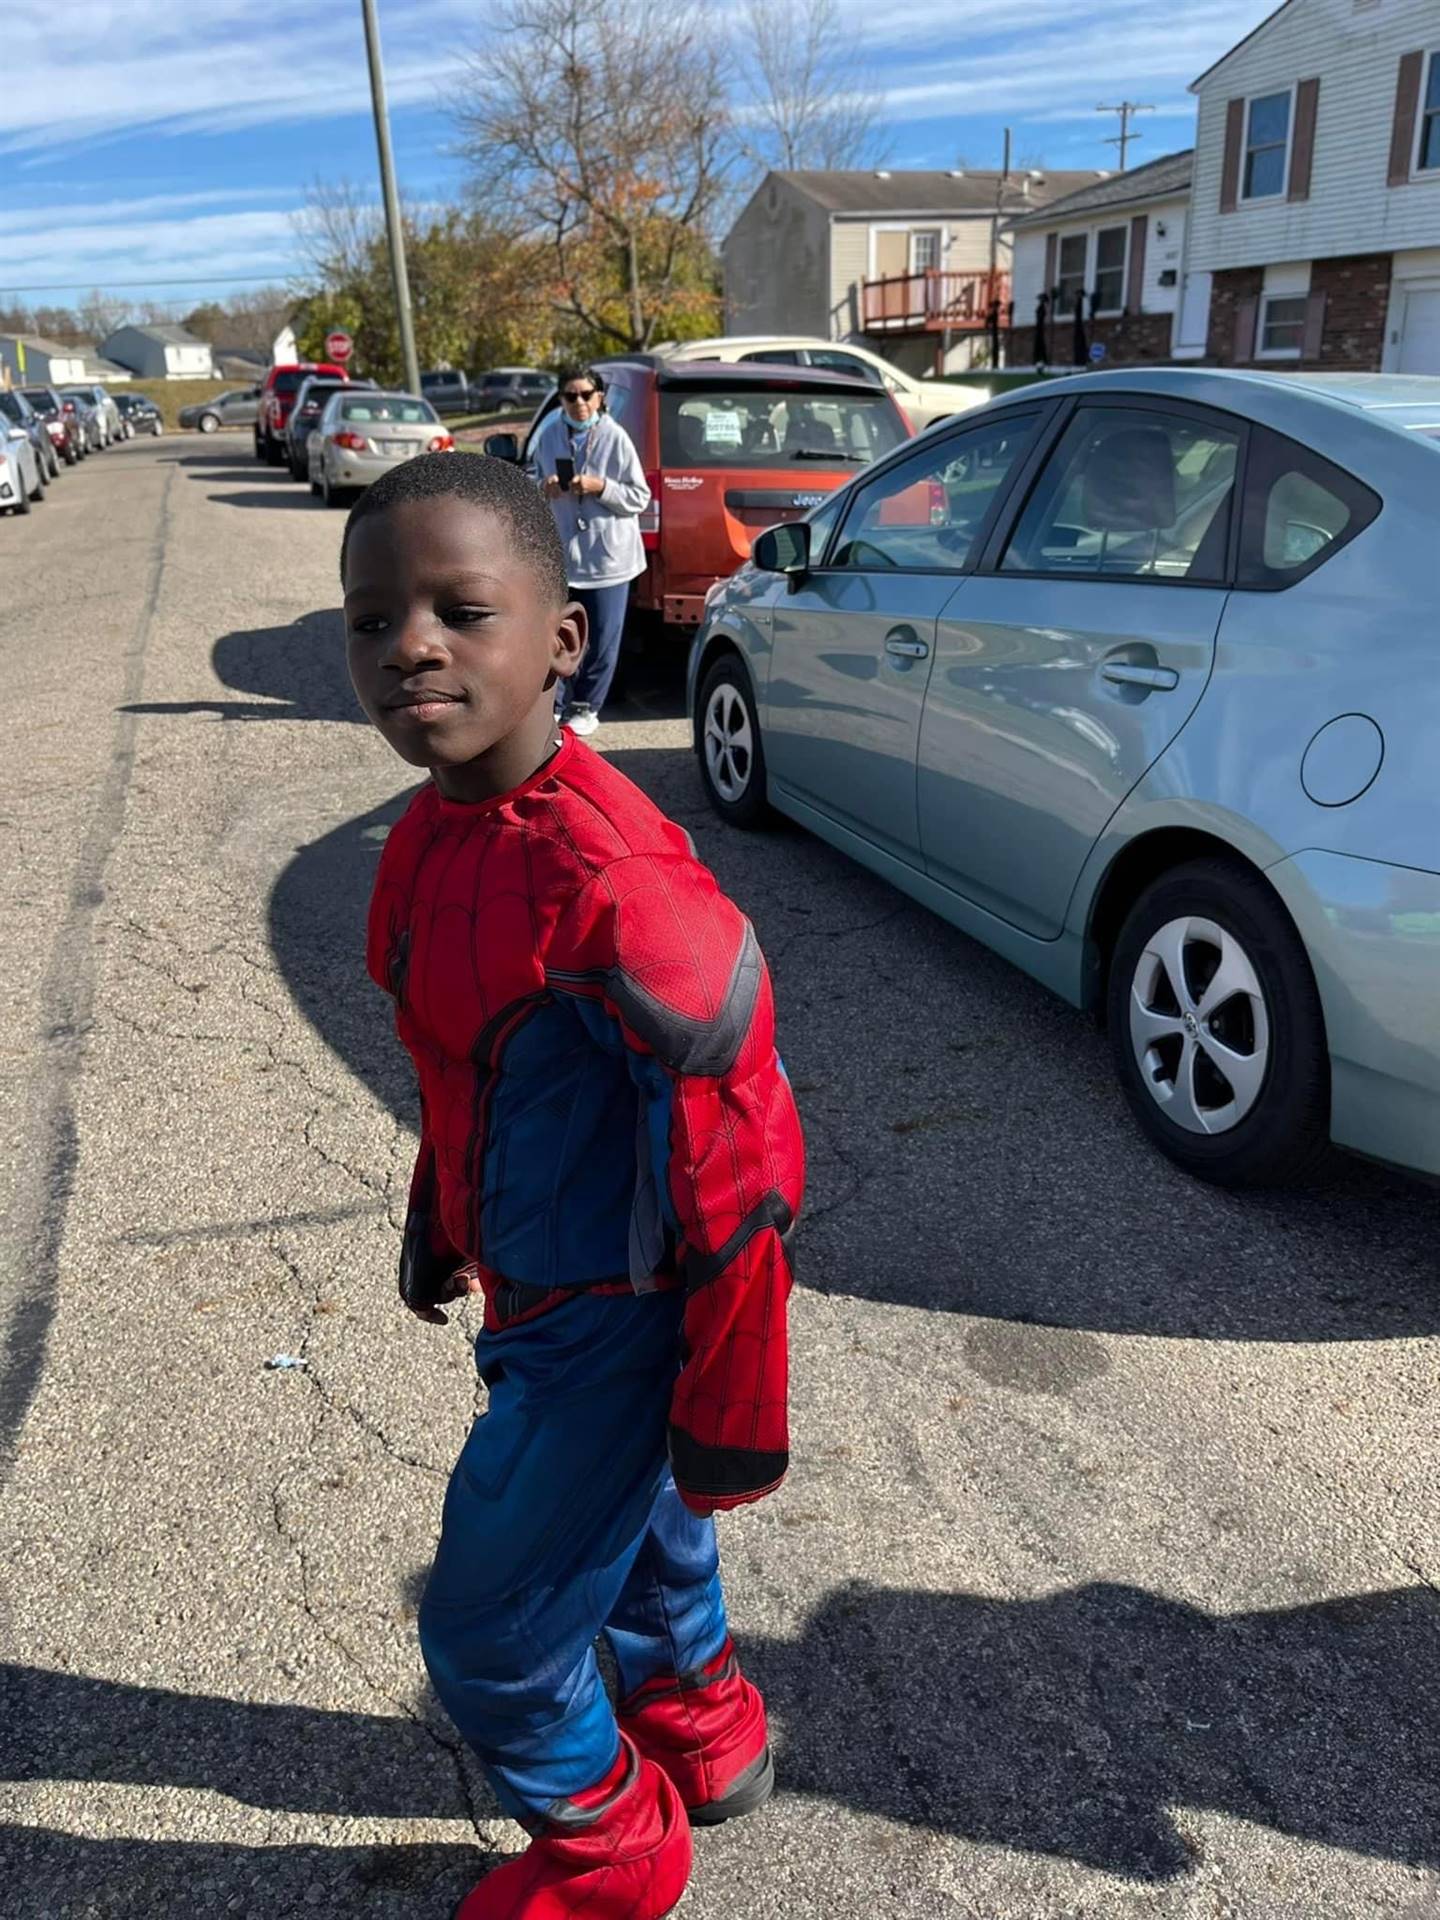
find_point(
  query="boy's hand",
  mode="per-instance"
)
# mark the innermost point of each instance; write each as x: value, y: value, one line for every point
x: 463, y: 1281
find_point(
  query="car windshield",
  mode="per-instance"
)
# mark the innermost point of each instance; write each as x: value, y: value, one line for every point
x: 718, y: 426
x: 396, y: 409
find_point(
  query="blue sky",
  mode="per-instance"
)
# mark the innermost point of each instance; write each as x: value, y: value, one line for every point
x: 144, y: 142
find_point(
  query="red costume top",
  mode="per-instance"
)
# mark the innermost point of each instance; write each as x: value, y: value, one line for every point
x: 601, y: 1101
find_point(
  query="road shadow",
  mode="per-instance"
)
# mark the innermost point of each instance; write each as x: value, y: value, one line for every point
x: 970, y: 1151
x: 1082, y: 1726
x: 298, y: 671
x: 294, y: 495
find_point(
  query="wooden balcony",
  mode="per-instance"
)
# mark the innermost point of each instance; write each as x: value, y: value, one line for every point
x: 933, y: 302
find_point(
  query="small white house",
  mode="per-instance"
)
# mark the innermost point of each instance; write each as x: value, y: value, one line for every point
x: 32, y: 361
x: 1118, y: 246
x: 160, y: 353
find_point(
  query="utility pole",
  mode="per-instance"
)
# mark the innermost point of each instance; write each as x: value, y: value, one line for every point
x: 392, y: 204
x: 1127, y: 110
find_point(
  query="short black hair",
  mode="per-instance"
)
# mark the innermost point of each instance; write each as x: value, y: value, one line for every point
x: 505, y: 490
x: 580, y: 372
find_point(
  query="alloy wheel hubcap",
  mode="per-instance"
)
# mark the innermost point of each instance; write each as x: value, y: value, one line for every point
x: 729, y: 743
x: 1199, y: 1025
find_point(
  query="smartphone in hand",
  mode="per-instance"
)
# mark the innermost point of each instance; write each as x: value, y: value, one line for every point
x: 565, y: 473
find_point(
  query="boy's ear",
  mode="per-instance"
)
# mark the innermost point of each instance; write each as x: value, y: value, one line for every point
x: 572, y: 636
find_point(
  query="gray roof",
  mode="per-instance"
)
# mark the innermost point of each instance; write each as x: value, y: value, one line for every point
x: 169, y: 336
x: 51, y: 347
x: 1161, y: 179
x: 898, y: 190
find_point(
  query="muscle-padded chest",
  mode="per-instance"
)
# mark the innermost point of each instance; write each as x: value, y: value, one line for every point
x: 459, y: 937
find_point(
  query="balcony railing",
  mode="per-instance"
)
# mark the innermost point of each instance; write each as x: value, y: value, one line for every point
x: 934, y: 301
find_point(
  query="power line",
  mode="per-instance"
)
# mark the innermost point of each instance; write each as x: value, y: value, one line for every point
x: 1127, y: 110
x: 196, y: 280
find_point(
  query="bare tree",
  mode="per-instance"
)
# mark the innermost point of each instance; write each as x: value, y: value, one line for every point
x: 603, y: 127
x: 809, y: 103
x: 101, y: 313
x: 336, y: 227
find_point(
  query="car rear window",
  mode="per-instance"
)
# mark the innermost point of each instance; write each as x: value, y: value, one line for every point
x: 1299, y: 509
x: 389, y: 407
x: 751, y: 427
x: 288, y: 382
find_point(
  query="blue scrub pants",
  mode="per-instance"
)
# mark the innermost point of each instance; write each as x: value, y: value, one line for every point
x: 605, y: 609
x: 562, y: 1522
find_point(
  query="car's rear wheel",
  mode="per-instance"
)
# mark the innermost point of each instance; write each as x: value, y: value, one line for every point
x: 1217, y: 1031
x: 22, y: 500
x: 331, y: 495
x: 732, y: 757
x: 37, y: 492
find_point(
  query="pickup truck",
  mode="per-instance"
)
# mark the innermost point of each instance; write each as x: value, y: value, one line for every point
x: 449, y: 391
x: 277, y: 397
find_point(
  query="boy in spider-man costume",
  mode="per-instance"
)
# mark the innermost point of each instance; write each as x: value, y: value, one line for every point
x: 610, y: 1153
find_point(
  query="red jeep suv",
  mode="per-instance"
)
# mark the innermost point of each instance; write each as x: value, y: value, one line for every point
x: 277, y: 397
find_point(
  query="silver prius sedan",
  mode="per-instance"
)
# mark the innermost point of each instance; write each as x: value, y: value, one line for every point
x: 363, y: 433
x: 1132, y: 677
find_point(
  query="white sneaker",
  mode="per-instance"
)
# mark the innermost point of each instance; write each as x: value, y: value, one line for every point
x: 582, y: 720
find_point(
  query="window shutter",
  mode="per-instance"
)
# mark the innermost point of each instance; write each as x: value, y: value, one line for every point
x: 1314, y: 327
x: 1302, y: 147
x: 1242, y: 346
x: 1230, y: 172
x: 1407, y: 105
x: 1052, y: 241
x: 1135, y: 297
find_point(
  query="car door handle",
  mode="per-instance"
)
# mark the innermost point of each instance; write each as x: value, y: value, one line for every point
x: 904, y: 649
x: 1125, y: 674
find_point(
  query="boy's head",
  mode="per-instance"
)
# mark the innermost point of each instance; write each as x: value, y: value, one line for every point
x: 458, y: 619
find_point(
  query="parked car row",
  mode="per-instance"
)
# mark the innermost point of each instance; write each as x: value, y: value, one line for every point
x: 338, y: 434
x: 450, y: 390
x: 43, y: 429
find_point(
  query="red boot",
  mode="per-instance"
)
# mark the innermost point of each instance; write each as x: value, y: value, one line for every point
x: 707, y: 1731
x: 631, y: 1862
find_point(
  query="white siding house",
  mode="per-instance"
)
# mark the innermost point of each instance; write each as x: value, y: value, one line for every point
x: 160, y: 353
x: 30, y: 360
x: 1120, y: 245
x: 1316, y: 205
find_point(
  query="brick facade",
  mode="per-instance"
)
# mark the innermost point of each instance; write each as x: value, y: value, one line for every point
x: 1130, y: 340
x: 1352, y: 337
x: 1357, y: 297
x: 1227, y: 292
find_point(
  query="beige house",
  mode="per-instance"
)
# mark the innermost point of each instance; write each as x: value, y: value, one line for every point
x: 907, y: 262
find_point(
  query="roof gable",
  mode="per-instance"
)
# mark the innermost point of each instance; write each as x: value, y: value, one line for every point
x: 1164, y: 179
x: 1253, y: 35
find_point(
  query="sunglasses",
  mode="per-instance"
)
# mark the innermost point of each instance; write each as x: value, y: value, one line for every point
x: 579, y: 393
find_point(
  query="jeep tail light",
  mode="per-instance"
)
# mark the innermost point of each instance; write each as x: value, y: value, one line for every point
x: 351, y: 442
x: 650, y: 518
x: 443, y: 443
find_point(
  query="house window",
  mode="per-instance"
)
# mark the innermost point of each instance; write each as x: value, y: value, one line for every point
x: 1267, y: 143
x: 924, y: 249
x: 1074, y: 251
x: 1110, y: 244
x: 1428, y: 158
x: 1282, y: 326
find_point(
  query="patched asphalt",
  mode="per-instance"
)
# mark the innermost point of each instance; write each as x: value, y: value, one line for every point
x: 1105, y: 1579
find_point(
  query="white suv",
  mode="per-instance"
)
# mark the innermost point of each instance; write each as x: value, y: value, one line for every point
x: 923, y: 401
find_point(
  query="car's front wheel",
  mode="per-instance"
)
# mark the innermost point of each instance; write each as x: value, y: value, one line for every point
x: 209, y: 423
x: 732, y: 758
x: 1217, y: 1030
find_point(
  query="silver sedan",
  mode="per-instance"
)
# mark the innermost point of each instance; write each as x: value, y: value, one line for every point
x: 363, y: 434
x: 1131, y: 676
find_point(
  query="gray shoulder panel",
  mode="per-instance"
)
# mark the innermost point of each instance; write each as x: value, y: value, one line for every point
x: 705, y: 1048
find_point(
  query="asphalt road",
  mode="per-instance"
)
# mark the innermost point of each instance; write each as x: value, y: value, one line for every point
x: 1104, y: 1583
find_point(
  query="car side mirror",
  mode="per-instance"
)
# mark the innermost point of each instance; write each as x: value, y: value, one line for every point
x: 784, y: 549
x: 504, y: 446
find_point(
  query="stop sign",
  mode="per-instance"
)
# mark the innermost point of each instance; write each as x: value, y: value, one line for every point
x: 338, y: 347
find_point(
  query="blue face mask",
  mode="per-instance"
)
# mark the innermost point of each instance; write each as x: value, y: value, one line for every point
x: 578, y: 431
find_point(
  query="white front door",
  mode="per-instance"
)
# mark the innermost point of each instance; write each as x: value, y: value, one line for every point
x: 1420, y: 331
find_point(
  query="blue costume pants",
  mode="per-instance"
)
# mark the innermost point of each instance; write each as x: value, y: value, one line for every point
x: 562, y: 1522
x: 605, y: 607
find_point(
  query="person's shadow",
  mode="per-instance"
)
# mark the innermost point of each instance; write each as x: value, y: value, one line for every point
x: 292, y: 672
x: 1083, y: 1727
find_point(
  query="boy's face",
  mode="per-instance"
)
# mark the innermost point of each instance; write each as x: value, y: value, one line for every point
x: 451, y: 638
